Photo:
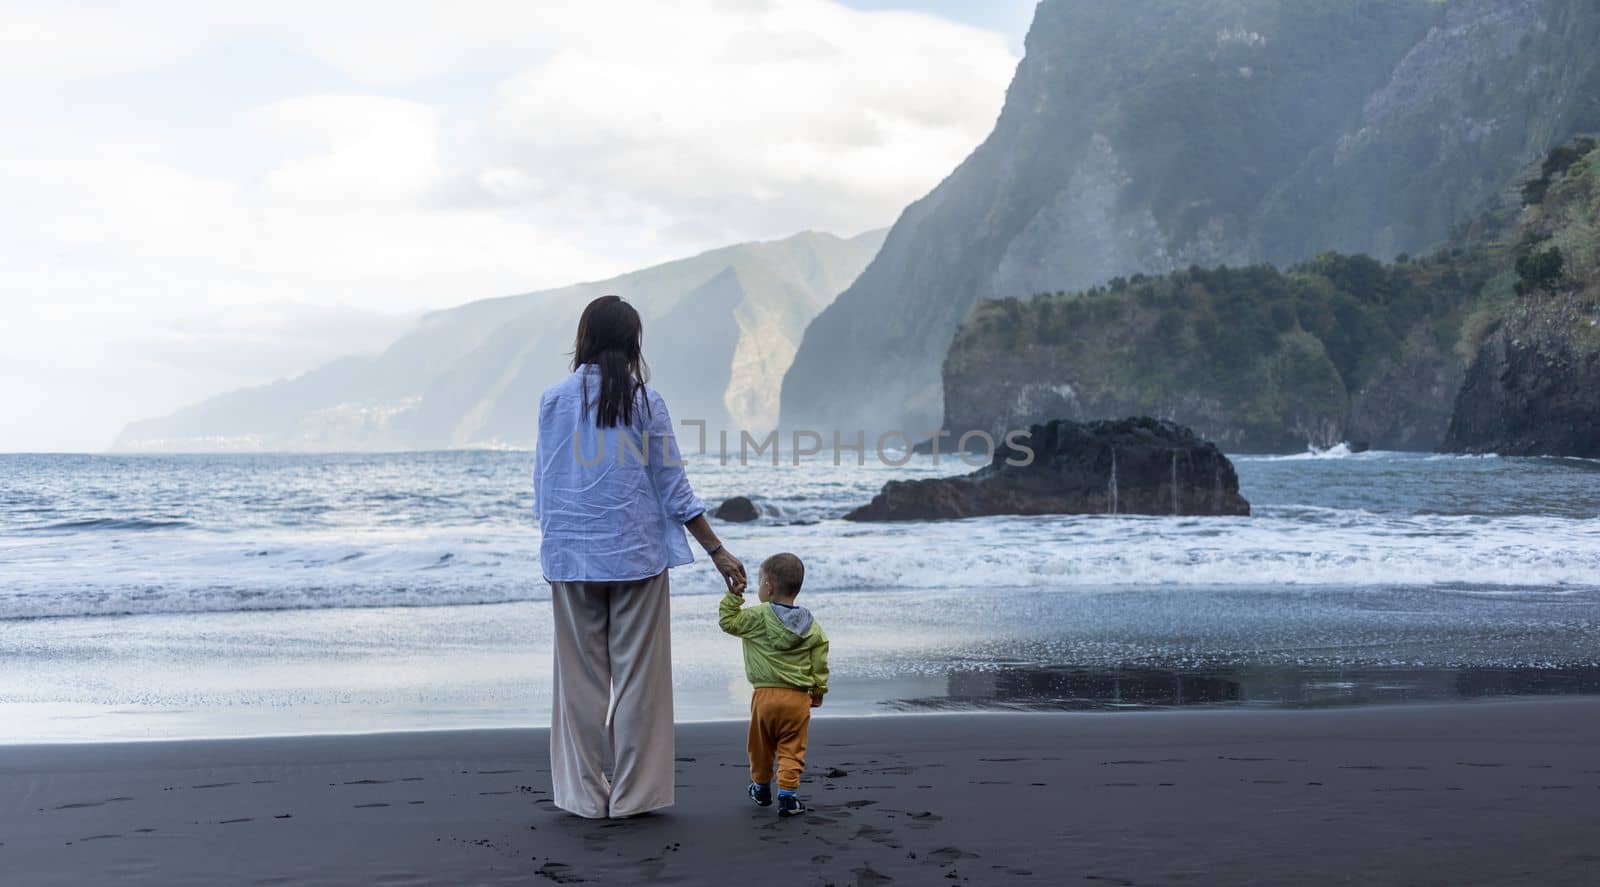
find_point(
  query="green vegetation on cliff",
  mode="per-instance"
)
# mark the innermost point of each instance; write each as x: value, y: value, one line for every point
x: 1339, y: 347
x: 1532, y: 385
x: 1259, y: 358
x: 1559, y: 248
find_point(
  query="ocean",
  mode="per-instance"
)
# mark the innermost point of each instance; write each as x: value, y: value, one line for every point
x: 185, y: 596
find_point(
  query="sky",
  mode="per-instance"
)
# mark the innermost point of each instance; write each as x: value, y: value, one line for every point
x: 196, y: 196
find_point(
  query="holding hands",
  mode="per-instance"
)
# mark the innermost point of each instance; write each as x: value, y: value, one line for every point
x: 731, y: 568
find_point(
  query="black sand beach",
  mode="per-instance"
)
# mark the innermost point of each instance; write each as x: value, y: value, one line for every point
x: 1471, y: 793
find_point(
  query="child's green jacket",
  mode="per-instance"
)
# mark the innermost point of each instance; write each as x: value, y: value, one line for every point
x: 783, y: 646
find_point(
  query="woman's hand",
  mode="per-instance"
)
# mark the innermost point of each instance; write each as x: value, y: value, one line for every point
x: 731, y: 569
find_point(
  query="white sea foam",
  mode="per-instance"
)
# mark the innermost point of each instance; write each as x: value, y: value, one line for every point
x: 1337, y: 451
x: 1294, y: 546
x: 176, y: 535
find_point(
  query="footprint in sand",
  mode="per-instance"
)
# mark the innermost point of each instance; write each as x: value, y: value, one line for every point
x: 78, y: 805
x: 559, y: 872
x: 950, y: 854
x: 866, y: 876
x: 878, y: 836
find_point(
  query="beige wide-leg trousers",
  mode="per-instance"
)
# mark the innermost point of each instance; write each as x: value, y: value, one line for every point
x: 613, y: 697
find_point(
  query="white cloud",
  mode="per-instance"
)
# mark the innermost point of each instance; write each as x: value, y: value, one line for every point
x: 56, y: 40
x: 423, y: 155
x: 363, y: 149
x: 762, y: 119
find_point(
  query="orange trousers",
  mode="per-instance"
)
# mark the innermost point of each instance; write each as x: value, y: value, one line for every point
x: 779, y: 721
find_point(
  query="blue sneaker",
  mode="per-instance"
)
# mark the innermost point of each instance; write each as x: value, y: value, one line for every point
x: 789, y: 804
x: 761, y: 793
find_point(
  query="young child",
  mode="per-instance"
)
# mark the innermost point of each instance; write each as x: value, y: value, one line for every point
x: 786, y: 660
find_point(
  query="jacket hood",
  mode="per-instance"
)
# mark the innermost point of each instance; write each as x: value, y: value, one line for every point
x: 787, y: 627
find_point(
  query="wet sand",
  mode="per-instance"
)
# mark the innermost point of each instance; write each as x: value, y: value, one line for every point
x: 1470, y: 793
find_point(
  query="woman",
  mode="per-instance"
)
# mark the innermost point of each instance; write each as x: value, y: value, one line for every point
x: 613, y: 502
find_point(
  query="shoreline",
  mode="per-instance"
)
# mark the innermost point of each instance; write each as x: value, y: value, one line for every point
x: 1458, y: 793
x: 1218, y: 709
x: 380, y: 669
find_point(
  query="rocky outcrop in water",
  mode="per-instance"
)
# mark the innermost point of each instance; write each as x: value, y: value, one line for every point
x: 737, y: 510
x: 1130, y: 466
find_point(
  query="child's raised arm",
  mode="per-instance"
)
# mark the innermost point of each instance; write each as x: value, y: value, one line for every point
x: 732, y: 616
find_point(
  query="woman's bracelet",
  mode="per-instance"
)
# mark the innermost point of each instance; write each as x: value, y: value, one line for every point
x: 712, y: 552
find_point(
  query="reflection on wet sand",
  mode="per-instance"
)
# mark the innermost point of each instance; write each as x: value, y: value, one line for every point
x: 1068, y: 688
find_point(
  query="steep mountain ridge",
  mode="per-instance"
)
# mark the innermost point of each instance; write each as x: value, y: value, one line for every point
x: 1339, y: 348
x: 1143, y: 137
x: 720, y: 329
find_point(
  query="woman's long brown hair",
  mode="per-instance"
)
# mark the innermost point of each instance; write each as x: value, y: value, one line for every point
x: 610, y: 336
